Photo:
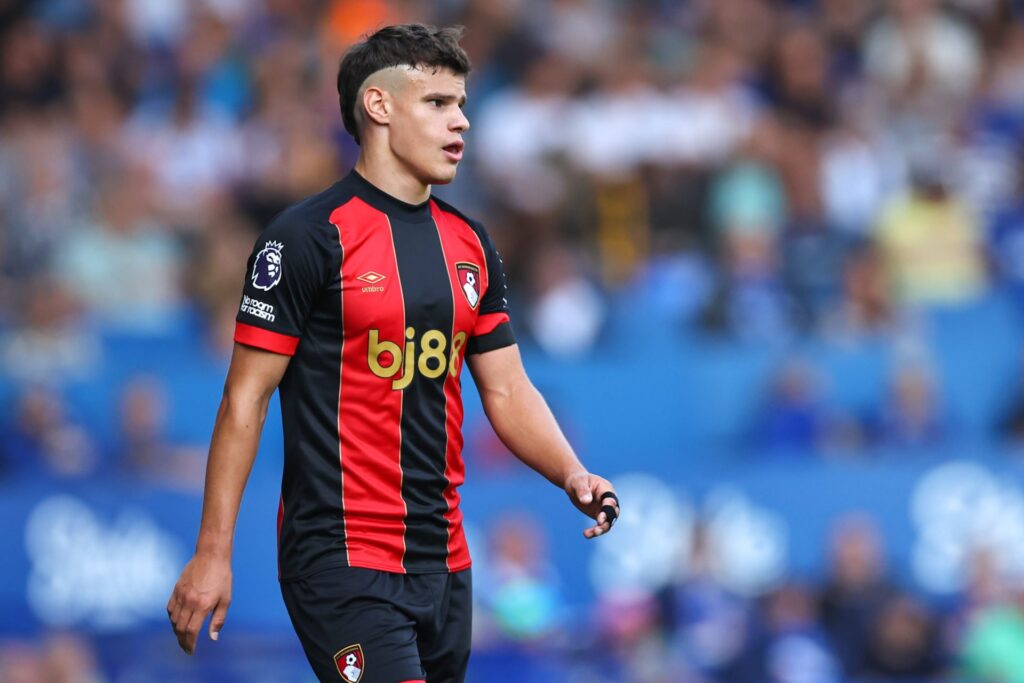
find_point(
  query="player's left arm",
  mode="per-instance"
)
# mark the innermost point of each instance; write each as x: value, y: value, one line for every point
x: 524, y: 423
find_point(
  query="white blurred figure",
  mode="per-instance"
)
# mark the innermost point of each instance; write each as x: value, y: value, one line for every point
x: 568, y: 311
x: 919, y: 50
x: 159, y: 22
x: 581, y: 30
x: 520, y: 135
x: 852, y: 181
x: 609, y: 133
x: 797, y: 649
x: 192, y: 154
x: 704, y: 120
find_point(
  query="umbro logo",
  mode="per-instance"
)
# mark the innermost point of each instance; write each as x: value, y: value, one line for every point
x: 371, y: 277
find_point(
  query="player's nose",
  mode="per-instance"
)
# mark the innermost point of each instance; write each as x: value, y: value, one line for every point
x: 460, y: 123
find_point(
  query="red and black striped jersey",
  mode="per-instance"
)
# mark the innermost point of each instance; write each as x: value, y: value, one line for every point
x: 378, y: 302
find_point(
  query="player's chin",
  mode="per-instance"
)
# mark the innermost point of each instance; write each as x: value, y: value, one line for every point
x: 443, y: 176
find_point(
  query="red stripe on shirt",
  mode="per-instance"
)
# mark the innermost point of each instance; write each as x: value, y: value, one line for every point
x: 280, y: 519
x: 488, y: 322
x: 369, y: 410
x: 459, y: 244
x: 251, y: 335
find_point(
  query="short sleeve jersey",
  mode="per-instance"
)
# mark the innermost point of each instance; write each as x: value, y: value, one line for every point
x: 378, y: 302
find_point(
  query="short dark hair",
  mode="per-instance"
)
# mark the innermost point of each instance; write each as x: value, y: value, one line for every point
x: 417, y: 45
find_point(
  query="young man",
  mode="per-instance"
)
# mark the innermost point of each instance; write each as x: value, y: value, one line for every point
x: 361, y: 304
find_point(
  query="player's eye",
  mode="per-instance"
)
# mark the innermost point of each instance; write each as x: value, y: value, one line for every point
x: 437, y: 103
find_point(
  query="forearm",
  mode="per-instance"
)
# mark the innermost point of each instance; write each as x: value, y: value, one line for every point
x: 524, y: 423
x: 233, y: 447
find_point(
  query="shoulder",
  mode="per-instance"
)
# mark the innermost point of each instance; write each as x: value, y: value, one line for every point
x: 473, y: 223
x: 309, y: 220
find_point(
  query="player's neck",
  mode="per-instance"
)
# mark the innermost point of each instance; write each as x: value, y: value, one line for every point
x: 392, y: 180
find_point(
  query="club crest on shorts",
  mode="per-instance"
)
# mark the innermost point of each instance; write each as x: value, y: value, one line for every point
x: 266, y: 270
x: 350, y: 663
x: 469, y: 279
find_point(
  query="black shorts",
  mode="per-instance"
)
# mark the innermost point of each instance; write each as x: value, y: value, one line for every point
x: 367, y: 626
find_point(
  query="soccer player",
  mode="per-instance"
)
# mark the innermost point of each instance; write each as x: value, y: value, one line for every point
x: 360, y: 305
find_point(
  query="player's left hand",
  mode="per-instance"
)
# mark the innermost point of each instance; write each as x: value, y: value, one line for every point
x: 595, y: 497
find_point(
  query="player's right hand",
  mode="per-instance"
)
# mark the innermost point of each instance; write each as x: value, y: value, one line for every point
x: 204, y: 586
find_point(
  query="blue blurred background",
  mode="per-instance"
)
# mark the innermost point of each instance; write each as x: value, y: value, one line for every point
x: 767, y: 265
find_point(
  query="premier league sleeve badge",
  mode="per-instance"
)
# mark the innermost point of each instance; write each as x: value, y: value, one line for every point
x: 267, y: 269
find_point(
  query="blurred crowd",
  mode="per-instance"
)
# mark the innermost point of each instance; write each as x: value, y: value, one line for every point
x: 761, y: 170
x: 757, y: 170
x: 856, y: 623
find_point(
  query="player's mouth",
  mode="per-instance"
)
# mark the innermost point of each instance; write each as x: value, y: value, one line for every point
x: 454, y: 151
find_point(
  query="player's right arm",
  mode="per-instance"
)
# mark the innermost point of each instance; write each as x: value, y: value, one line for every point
x: 205, y: 583
x: 290, y: 264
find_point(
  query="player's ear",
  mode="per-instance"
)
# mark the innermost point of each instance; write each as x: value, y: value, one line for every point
x: 377, y: 105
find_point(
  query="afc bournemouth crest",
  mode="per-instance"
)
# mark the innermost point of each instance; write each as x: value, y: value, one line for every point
x: 350, y: 663
x: 266, y: 270
x: 469, y: 279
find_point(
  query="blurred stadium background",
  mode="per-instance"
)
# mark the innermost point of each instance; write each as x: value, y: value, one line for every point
x: 767, y: 260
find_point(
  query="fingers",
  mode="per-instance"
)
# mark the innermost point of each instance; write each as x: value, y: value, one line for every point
x: 179, y: 616
x: 174, y: 607
x: 181, y: 629
x: 187, y: 613
x: 220, y: 614
x: 192, y: 628
x: 582, y: 488
x: 609, y: 508
x: 608, y: 513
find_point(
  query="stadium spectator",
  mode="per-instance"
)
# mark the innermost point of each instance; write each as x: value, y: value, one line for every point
x: 48, y: 342
x: 905, y: 643
x: 124, y: 267
x: 68, y: 658
x: 912, y: 419
x: 524, y: 601
x: 925, y: 57
x: 794, y: 647
x: 865, y: 307
x: 1005, y: 231
x: 993, y: 643
x: 43, y: 442
x: 520, y: 146
x: 21, y: 663
x: 710, y: 627
x: 747, y: 206
x: 931, y: 240
x: 631, y: 645
x: 795, y: 416
x: 567, y: 312
x: 191, y: 152
x: 146, y: 451
x: 855, y: 590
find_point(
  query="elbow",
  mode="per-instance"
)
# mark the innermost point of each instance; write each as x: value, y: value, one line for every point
x: 502, y: 399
